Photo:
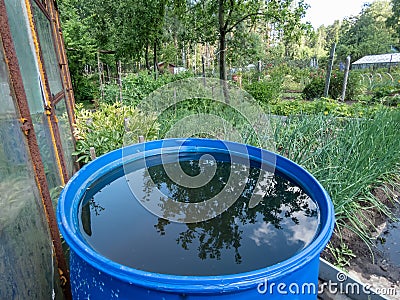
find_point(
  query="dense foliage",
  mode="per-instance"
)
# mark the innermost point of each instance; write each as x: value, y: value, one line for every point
x: 141, y: 33
x: 394, y: 20
x: 104, y: 129
x: 387, y: 94
x: 367, y: 33
x: 138, y: 86
x: 315, y: 89
x: 266, y: 90
x: 134, y: 29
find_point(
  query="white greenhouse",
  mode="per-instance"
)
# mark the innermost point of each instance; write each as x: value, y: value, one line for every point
x: 377, y: 61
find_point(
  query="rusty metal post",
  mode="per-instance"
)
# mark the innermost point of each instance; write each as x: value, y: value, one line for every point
x: 33, y: 147
x: 346, y: 77
x: 329, y: 71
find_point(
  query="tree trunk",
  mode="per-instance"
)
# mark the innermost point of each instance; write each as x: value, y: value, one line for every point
x: 222, y: 67
x: 222, y: 56
x: 222, y: 40
x: 183, y: 56
x: 155, y: 56
x: 146, y: 57
x: 155, y: 62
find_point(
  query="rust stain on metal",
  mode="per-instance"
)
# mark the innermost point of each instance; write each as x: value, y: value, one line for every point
x: 58, y: 42
x: 24, y: 112
x: 58, y: 97
x: 43, y: 7
x: 26, y: 126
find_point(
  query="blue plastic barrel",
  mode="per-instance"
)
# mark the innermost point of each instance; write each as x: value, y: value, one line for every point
x: 94, y: 276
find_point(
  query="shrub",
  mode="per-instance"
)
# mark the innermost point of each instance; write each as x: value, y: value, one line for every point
x: 104, y: 128
x: 387, y: 94
x: 315, y: 89
x: 85, y: 88
x: 136, y: 87
x: 267, y: 90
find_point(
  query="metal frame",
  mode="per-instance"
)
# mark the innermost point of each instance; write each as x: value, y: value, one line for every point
x: 49, y: 8
x: 49, y: 108
x: 47, y: 14
x: 60, y: 47
x: 42, y: 5
x: 63, y: 63
x: 23, y: 111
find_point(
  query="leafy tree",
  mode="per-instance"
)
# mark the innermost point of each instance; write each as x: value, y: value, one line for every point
x: 366, y: 33
x: 394, y: 20
x: 245, y: 47
x: 135, y: 29
x: 183, y: 30
x: 103, y: 17
x: 227, y: 15
x: 128, y: 27
x: 80, y: 44
x: 140, y: 24
x: 332, y: 35
x: 316, y: 41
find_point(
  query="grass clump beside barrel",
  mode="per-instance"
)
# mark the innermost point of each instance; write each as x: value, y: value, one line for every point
x: 350, y: 157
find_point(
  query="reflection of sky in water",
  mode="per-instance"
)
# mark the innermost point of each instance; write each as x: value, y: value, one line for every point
x: 266, y: 232
x: 294, y: 233
x: 304, y: 233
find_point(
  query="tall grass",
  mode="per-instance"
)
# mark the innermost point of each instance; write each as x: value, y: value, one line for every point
x: 350, y: 157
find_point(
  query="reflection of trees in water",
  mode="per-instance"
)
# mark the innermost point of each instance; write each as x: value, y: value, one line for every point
x: 86, y: 217
x: 281, y: 200
x: 95, y: 207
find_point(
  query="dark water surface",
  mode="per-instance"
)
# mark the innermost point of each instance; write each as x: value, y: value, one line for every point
x: 243, y: 238
x: 390, y: 239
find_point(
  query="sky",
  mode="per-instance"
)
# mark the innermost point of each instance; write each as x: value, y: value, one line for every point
x: 325, y: 12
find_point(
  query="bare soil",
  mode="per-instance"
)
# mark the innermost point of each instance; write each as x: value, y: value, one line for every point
x: 375, y: 268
